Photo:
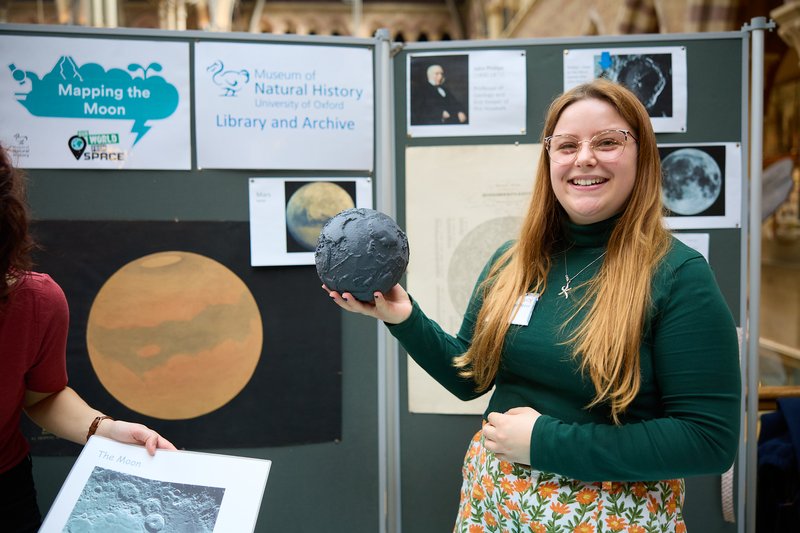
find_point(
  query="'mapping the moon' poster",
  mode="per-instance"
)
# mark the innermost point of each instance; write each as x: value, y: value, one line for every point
x: 702, y: 184
x: 171, y: 327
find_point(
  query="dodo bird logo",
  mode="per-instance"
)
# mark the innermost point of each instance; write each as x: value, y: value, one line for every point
x: 230, y: 81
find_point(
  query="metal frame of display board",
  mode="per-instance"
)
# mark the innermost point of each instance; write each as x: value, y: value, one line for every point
x: 749, y: 463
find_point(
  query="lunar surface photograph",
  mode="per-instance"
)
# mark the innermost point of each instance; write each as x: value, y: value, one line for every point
x: 124, y: 503
x: 648, y: 76
x: 309, y: 205
x: 693, y: 180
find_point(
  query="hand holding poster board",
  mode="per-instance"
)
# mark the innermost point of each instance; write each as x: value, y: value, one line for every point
x: 120, y: 487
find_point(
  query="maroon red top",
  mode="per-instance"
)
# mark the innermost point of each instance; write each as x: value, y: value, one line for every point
x: 33, y: 339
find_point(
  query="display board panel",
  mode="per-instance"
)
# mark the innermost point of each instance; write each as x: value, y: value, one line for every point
x: 217, y: 199
x: 432, y: 445
x: 714, y: 101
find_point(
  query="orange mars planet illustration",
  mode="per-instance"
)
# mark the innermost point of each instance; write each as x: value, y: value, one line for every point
x: 174, y: 335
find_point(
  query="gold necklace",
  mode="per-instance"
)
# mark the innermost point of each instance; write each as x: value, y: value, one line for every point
x: 566, y: 288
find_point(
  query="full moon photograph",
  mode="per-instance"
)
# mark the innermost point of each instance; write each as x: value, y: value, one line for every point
x: 309, y: 206
x: 174, y: 335
x: 692, y: 180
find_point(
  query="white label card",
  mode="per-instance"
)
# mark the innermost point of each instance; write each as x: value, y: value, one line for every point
x: 524, y: 309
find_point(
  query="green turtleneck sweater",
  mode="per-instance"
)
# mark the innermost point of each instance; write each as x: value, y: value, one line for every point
x: 683, y: 422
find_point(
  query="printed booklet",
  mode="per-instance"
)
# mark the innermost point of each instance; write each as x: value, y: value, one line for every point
x: 120, y: 487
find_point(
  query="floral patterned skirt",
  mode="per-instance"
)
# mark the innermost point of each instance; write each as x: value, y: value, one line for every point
x: 498, y: 496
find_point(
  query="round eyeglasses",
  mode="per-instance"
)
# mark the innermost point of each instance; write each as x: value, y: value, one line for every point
x: 606, y: 146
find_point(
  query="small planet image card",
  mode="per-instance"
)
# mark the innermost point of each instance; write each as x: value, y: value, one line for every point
x: 120, y: 487
x: 287, y: 215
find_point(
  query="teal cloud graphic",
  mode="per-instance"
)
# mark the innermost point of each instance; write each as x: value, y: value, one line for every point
x: 89, y: 91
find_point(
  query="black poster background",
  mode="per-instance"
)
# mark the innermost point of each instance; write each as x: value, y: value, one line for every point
x: 294, y: 395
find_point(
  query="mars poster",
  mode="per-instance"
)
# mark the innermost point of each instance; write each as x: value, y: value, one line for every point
x: 171, y: 327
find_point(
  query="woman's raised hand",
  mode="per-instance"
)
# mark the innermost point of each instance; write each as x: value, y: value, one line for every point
x: 393, y: 307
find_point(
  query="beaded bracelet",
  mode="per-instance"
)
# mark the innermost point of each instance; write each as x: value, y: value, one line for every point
x: 95, y: 423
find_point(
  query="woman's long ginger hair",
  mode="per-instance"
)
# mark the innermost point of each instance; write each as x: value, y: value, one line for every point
x: 16, y: 243
x: 607, y: 340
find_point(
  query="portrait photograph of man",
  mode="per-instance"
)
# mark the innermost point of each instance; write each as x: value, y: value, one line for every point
x: 439, y: 88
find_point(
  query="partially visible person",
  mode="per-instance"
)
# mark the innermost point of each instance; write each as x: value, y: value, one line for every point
x: 613, y: 356
x: 34, y: 320
x: 432, y: 103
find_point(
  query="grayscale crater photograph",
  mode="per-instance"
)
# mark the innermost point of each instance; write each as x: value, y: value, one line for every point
x: 648, y: 76
x: 124, y: 503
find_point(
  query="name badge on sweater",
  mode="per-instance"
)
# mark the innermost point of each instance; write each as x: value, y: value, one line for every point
x: 524, y: 308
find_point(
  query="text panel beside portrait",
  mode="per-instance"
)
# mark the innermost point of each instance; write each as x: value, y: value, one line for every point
x: 171, y: 326
x: 466, y: 93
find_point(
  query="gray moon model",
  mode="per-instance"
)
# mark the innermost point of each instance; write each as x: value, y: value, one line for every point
x: 361, y: 251
x: 692, y: 181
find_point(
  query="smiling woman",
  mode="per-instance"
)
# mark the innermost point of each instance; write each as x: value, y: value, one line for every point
x: 591, y: 394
